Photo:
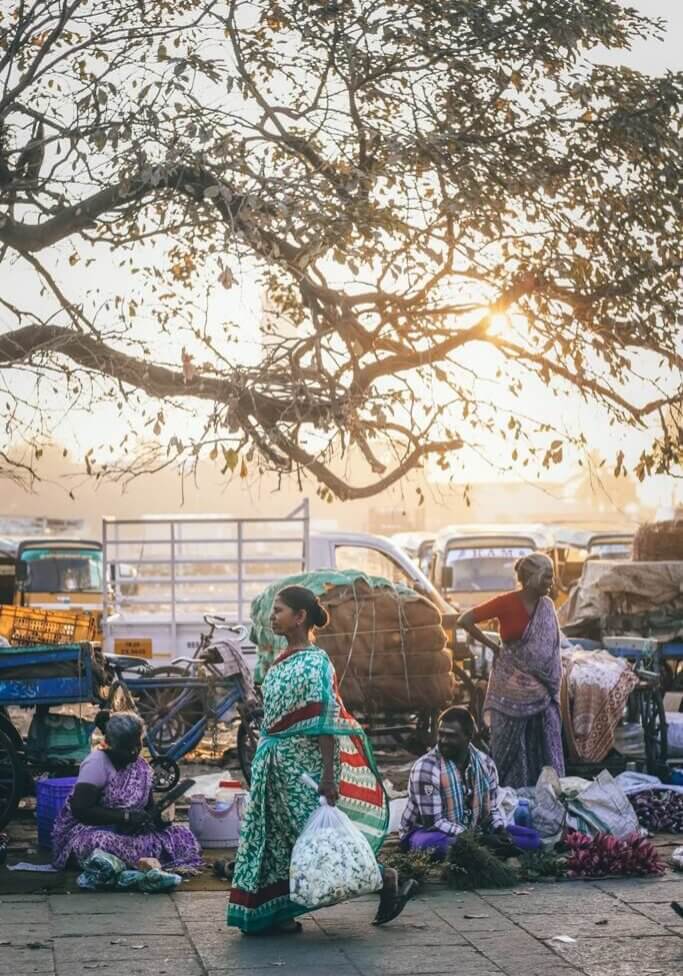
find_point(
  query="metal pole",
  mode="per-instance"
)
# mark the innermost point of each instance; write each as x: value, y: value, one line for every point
x: 240, y: 573
x: 173, y: 592
x: 307, y: 536
x: 106, y: 572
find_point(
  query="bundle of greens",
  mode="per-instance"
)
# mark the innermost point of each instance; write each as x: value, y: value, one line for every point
x: 542, y: 866
x: 410, y: 864
x: 470, y: 865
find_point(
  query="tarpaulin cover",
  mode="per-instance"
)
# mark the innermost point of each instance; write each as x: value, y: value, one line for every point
x: 607, y: 589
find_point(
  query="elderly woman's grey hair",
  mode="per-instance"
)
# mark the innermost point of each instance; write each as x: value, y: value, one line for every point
x: 531, y: 565
x: 122, y: 727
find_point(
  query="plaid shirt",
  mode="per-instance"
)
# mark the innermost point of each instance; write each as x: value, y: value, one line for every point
x: 425, y: 804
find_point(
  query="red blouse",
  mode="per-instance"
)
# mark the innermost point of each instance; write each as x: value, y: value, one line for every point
x: 510, y: 612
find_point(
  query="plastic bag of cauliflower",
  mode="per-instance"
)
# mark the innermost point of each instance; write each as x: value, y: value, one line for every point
x: 331, y: 861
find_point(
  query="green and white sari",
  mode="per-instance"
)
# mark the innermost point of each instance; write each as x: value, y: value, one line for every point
x: 300, y: 702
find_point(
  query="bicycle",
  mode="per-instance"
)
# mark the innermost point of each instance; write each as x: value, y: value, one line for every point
x: 179, y: 701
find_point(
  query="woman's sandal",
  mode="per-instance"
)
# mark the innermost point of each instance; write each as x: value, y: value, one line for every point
x: 407, y: 891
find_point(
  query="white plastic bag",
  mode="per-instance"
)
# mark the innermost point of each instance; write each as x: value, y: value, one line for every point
x: 604, y: 807
x: 548, y: 815
x: 331, y: 861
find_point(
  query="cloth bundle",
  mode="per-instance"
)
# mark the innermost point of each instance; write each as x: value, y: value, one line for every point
x: 595, y: 689
x: 103, y: 870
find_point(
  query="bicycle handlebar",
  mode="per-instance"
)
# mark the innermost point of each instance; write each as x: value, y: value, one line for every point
x: 183, y: 660
x: 221, y: 623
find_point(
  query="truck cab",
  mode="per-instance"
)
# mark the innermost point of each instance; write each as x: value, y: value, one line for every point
x: 474, y: 563
x: 59, y: 574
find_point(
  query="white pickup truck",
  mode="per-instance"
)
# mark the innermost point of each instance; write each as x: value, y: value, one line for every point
x: 190, y: 566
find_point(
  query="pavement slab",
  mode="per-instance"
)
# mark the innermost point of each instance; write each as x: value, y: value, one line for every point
x: 138, y: 967
x: 660, y: 956
x: 660, y: 911
x: 599, y: 925
x: 111, y: 903
x: 405, y: 960
x: 24, y: 961
x: 551, y: 900
x: 488, y: 933
x: 426, y: 933
x: 107, y: 948
x: 127, y: 924
x: 667, y: 888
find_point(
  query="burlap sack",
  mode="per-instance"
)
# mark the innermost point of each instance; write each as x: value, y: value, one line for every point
x: 388, y: 648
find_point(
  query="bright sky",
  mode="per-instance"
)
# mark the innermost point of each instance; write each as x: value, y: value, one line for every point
x: 242, y: 304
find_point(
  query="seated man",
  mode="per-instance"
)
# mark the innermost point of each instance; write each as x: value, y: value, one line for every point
x: 453, y: 788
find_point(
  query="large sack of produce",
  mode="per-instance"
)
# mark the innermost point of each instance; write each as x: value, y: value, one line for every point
x: 386, y: 641
x: 659, y: 542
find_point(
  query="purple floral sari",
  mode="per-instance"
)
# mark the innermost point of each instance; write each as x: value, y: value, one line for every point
x: 522, y: 702
x: 129, y: 789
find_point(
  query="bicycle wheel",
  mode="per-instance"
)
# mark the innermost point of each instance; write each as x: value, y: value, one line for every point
x: 154, y: 705
x: 11, y: 779
x: 165, y: 774
x: 119, y: 698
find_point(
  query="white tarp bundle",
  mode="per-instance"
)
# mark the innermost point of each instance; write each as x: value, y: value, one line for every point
x: 625, y: 587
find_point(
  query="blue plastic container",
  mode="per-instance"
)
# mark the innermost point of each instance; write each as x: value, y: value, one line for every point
x: 677, y: 777
x: 523, y: 813
x: 51, y: 795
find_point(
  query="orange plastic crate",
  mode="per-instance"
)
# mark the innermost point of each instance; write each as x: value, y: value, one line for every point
x: 24, y: 626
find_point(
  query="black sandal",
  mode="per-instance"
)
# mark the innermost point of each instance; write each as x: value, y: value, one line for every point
x: 407, y: 891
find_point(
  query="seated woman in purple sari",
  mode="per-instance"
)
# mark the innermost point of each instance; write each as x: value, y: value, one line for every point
x: 522, y: 700
x: 110, y: 807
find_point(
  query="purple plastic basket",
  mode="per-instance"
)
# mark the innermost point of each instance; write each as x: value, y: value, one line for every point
x: 51, y: 795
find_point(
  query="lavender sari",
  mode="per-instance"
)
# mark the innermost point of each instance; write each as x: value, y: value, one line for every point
x: 129, y: 789
x: 522, y: 702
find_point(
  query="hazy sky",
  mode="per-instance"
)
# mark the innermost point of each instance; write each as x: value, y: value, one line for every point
x: 242, y: 302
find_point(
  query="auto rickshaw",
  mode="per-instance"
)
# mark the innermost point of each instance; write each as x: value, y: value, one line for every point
x: 573, y: 548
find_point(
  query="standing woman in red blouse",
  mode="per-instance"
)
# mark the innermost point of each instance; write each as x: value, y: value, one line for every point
x: 522, y: 700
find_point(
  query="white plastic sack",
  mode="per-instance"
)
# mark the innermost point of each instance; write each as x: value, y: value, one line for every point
x: 604, y: 807
x: 507, y: 804
x: 331, y: 861
x: 548, y: 814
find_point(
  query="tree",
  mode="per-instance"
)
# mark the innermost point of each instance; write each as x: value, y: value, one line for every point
x: 411, y: 184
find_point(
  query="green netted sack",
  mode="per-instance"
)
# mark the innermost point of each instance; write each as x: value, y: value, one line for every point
x: 386, y: 641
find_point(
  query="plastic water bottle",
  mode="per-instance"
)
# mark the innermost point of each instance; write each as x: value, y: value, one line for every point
x: 523, y: 813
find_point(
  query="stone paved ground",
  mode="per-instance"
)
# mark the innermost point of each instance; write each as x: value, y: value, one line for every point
x: 621, y: 928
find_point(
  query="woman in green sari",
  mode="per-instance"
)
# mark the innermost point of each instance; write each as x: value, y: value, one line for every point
x: 306, y: 729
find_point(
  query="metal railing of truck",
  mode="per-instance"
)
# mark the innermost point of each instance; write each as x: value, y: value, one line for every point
x: 196, y: 565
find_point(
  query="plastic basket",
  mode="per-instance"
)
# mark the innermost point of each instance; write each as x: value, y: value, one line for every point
x: 26, y: 626
x: 51, y: 795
